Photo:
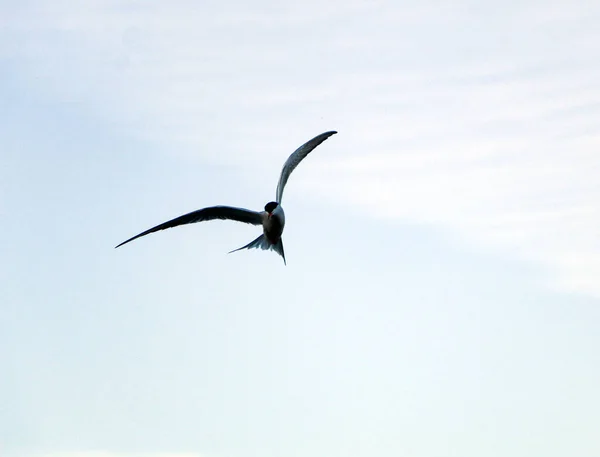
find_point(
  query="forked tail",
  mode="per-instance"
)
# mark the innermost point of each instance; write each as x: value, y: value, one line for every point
x: 262, y: 243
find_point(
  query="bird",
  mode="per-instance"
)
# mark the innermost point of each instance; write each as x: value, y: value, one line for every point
x: 272, y: 218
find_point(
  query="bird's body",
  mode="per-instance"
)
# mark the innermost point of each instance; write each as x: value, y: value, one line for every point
x: 272, y: 218
x: 274, y: 224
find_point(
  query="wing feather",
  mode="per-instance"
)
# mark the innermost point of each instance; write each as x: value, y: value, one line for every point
x: 293, y: 160
x: 206, y: 214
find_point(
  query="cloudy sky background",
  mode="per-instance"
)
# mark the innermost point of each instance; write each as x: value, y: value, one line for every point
x: 441, y: 296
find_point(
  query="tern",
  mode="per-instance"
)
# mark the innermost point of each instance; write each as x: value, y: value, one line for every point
x: 272, y: 218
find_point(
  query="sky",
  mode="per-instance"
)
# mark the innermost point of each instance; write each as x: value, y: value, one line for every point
x: 441, y: 295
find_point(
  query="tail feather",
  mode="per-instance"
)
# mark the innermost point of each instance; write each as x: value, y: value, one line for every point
x: 262, y: 243
x: 278, y: 248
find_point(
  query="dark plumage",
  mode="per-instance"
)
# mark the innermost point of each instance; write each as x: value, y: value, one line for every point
x: 272, y: 218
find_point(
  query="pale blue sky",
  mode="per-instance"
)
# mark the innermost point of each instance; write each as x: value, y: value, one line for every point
x: 441, y: 296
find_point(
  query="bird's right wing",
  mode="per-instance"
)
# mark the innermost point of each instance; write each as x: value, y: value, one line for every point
x: 293, y: 160
x: 206, y: 214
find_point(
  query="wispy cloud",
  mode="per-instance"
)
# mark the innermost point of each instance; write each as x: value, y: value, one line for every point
x: 481, y: 119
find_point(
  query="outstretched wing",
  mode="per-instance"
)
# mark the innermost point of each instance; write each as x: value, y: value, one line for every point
x: 206, y: 214
x: 292, y: 162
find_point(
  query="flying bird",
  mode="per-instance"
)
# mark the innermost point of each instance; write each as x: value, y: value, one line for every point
x: 272, y: 218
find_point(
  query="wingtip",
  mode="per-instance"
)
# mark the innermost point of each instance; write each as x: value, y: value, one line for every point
x: 121, y: 244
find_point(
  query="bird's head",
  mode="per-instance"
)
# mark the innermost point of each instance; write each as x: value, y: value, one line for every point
x: 270, y: 207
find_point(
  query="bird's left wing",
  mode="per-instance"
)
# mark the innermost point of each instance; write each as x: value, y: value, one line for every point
x: 206, y: 214
x: 293, y: 160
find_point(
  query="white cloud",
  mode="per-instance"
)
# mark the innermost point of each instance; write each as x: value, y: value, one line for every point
x: 479, y: 120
